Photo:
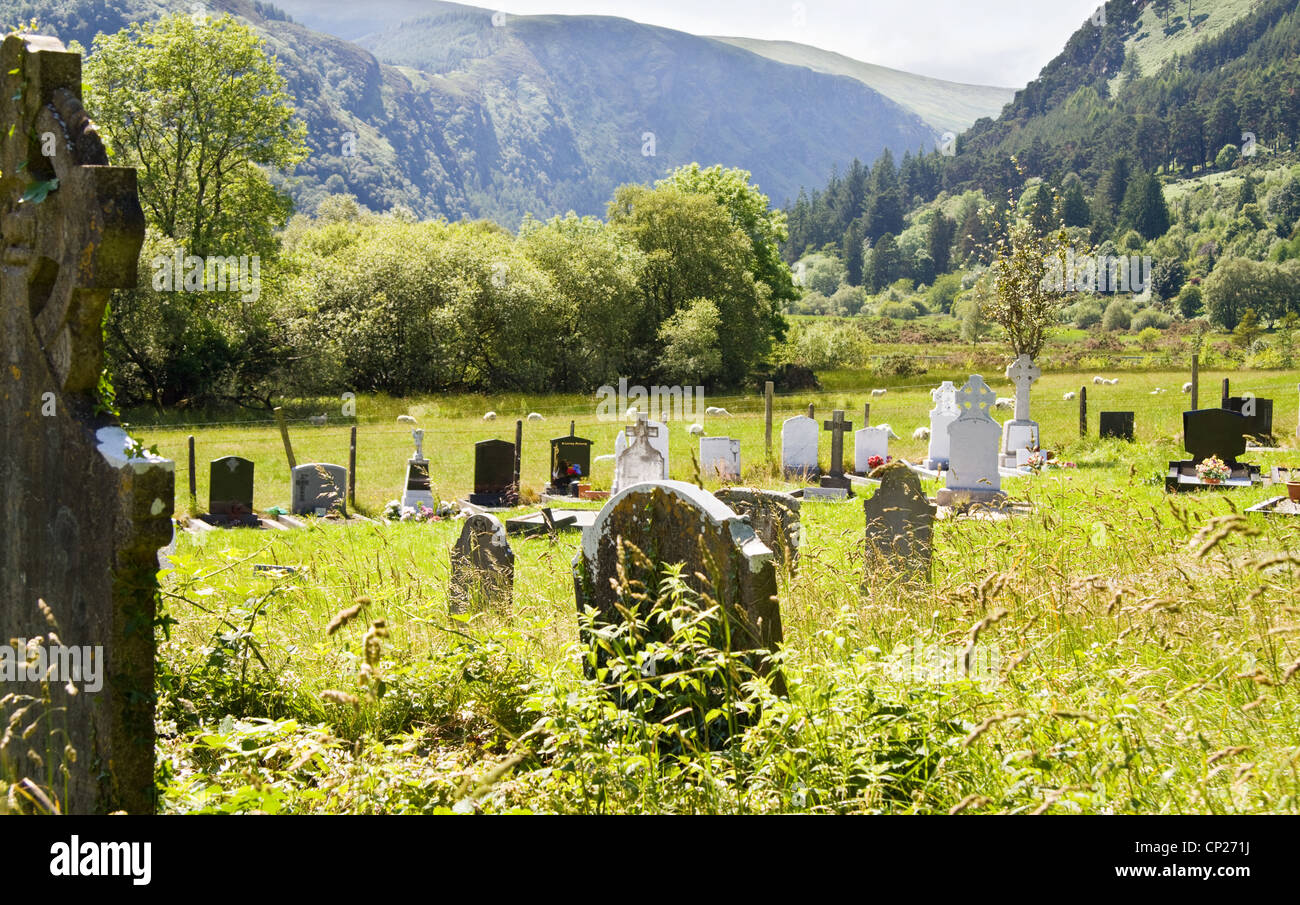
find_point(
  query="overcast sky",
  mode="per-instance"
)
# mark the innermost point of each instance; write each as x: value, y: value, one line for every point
x: 990, y: 42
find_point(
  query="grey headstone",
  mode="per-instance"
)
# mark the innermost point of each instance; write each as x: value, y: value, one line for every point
x: 82, y: 518
x: 899, y: 525
x: 720, y: 458
x: 774, y: 516
x: 319, y: 489
x: 657, y: 437
x: 672, y: 522
x: 973, y: 439
x: 799, y: 436
x: 482, y: 566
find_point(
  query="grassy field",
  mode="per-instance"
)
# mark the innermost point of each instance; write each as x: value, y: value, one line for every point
x: 1134, y: 652
x: 454, y: 424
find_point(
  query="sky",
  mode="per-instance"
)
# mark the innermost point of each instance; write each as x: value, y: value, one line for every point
x: 989, y: 42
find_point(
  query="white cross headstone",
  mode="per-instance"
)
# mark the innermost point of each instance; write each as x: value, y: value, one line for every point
x: 799, y: 445
x: 720, y: 458
x: 942, y: 415
x: 972, y: 473
x: 418, y: 436
x: 1022, y: 431
x: 658, y: 439
x: 640, y: 461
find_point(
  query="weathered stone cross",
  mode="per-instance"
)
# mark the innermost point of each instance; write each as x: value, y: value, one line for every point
x: 642, y: 430
x: 838, y: 428
x: 418, y: 436
x: 1023, y: 373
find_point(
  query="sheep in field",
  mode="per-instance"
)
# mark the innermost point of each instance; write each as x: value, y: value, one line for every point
x: 888, y: 430
x: 714, y: 410
x: 876, y: 394
x: 490, y: 416
x: 921, y: 433
x: 405, y: 419
x: 696, y: 430
x: 1004, y: 404
x: 1187, y: 387
x: 1071, y: 396
x: 533, y: 416
x: 319, y: 420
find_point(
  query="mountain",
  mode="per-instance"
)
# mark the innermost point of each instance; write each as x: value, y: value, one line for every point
x: 458, y: 115
x: 947, y: 106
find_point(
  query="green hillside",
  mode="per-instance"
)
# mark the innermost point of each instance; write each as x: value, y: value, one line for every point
x: 454, y: 115
x: 948, y: 106
x: 1169, y: 29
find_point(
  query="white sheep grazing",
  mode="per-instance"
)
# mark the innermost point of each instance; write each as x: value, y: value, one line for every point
x: 714, y: 410
x: 533, y: 416
x: 921, y: 433
x: 1004, y: 404
x: 1187, y: 387
x: 876, y: 394
x: 1114, y: 381
x: 696, y: 430
x: 888, y: 430
x: 319, y: 420
x: 405, y: 419
x: 490, y: 416
x: 1071, y: 396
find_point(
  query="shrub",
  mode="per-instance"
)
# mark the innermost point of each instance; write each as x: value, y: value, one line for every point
x: 1149, y: 339
x: 1190, y: 301
x: 1150, y: 319
x: 899, y: 310
x: 899, y: 366
x: 1117, y: 316
x: 1086, y: 313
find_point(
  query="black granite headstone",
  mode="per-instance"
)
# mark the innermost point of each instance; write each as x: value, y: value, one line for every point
x: 570, y: 463
x: 494, y: 474
x: 1215, y: 432
x: 1118, y: 425
x: 230, y: 491
x: 1261, y: 423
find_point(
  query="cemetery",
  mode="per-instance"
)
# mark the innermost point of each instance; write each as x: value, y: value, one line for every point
x: 630, y: 617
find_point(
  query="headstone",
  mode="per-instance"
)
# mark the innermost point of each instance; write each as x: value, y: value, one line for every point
x: 1117, y: 425
x: 942, y: 415
x: 1259, y: 413
x: 658, y: 438
x: 799, y: 437
x: 1021, y: 432
x: 418, y: 489
x: 838, y: 428
x: 972, y: 475
x: 671, y: 522
x: 1213, y: 432
x: 84, y: 516
x: 570, y: 463
x: 494, y: 474
x: 230, y: 491
x: 482, y: 566
x: 868, y: 443
x: 720, y: 458
x: 320, y: 489
x: 640, y: 461
x: 900, y: 525
x: 774, y: 516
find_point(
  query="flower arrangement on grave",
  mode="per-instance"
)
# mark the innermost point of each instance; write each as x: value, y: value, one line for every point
x: 396, y: 512
x: 879, y: 461
x: 1039, y: 461
x: 1213, y: 471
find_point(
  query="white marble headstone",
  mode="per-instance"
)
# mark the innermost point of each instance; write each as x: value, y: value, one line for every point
x: 799, y: 444
x: 868, y: 442
x: 1022, y: 431
x: 659, y: 440
x: 640, y: 460
x: 973, y: 440
x: 720, y: 458
x: 942, y: 415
